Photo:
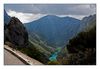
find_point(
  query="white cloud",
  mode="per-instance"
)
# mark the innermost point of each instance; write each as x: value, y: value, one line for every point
x: 28, y: 17
x: 25, y: 17
x: 80, y: 17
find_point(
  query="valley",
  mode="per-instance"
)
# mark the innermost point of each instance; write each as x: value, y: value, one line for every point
x: 53, y: 40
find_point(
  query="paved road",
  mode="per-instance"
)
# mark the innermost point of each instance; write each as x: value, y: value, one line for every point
x: 10, y: 59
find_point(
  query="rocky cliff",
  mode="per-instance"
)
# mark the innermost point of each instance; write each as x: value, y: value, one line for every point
x: 16, y: 33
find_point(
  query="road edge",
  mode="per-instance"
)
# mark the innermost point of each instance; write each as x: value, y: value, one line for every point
x: 24, y: 60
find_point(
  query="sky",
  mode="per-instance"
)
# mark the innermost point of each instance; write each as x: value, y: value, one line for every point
x: 30, y: 12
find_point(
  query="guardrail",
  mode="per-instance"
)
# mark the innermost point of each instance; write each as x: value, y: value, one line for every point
x: 24, y: 58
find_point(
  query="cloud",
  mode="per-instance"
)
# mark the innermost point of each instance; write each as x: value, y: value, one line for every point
x: 80, y: 17
x: 30, y: 12
x: 65, y: 9
x: 25, y: 17
x: 58, y: 9
x: 28, y: 17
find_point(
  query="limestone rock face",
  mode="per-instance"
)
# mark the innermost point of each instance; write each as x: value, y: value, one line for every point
x: 16, y: 33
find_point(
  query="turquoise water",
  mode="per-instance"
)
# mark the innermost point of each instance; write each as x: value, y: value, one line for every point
x: 54, y: 55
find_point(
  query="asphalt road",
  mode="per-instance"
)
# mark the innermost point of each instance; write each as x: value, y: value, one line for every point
x: 10, y: 59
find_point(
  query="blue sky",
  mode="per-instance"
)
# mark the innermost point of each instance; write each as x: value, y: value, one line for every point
x: 29, y: 12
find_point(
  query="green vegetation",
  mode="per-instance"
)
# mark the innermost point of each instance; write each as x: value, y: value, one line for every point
x: 82, y: 48
x: 53, y: 63
x: 35, y: 53
x: 83, y: 40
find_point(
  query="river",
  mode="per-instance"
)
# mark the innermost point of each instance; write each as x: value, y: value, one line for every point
x: 53, y: 56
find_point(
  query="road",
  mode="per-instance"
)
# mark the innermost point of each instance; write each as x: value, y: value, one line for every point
x: 10, y: 59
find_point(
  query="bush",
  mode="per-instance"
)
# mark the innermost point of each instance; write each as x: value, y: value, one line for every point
x: 53, y: 63
x: 34, y: 53
x: 83, y: 48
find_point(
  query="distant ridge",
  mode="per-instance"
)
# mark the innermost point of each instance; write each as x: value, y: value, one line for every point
x: 53, y: 29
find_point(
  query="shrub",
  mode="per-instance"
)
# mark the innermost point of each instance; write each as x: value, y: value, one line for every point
x: 53, y: 63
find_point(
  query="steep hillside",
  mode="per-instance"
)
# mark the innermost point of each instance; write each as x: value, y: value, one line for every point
x: 16, y: 33
x: 81, y: 50
x: 17, y: 37
x: 54, y: 30
x: 88, y: 22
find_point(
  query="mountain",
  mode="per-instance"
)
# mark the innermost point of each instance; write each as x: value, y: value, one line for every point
x: 42, y: 37
x: 81, y: 49
x: 6, y: 18
x: 17, y: 37
x: 88, y: 22
x: 54, y: 30
x: 16, y: 33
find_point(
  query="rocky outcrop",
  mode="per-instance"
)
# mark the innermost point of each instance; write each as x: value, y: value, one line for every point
x: 16, y: 33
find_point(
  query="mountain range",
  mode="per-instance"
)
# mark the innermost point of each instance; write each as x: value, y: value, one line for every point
x: 55, y: 31
x: 45, y: 34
